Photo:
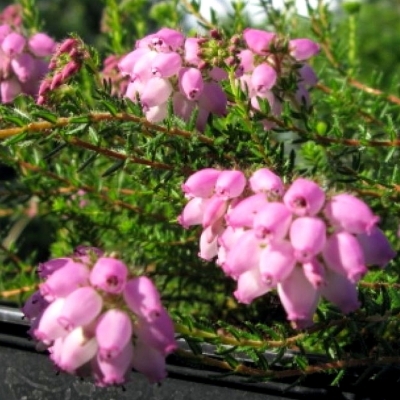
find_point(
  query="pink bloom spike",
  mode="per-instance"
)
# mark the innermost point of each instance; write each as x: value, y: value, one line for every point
x: 343, y: 254
x: 299, y: 299
x: 308, y: 237
x: 81, y: 307
x: 113, y: 333
x: 350, y: 213
x: 109, y: 274
x: 142, y: 298
x: 304, y: 197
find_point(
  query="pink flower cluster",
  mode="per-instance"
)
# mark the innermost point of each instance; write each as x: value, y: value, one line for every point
x: 66, y: 61
x: 23, y: 62
x: 166, y: 65
x: 265, y: 60
x: 297, y: 239
x: 94, y: 317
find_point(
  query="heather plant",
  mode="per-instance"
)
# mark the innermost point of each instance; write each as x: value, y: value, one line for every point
x: 241, y: 181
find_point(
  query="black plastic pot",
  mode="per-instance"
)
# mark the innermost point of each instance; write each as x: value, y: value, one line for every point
x: 30, y: 375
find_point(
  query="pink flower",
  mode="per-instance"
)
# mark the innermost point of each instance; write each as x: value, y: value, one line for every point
x: 308, y: 237
x: 41, y: 45
x: 263, y: 78
x: 264, y: 180
x: 303, y: 49
x: 191, y: 83
x: 201, y: 183
x: 276, y: 262
x: 258, y: 40
x: 13, y: 44
x: 376, y: 247
x: 299, y: 298
x: 142, y: 298
x: 165, y: 65
x: 343, y: 255
x: 109, y: 274
x: 113, y: 333
x: 193, y: 212
x: 304, y: 197
x: 350, y: 213
x: 250, y: 286
x: 315, y: 273
x: 230, y: 184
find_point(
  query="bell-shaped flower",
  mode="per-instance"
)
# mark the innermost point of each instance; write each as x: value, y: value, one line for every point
x: 229, y: 236
x: 167, y: 39
x: 158, y: 334
x: 77, y: 349
x: 5, y: 30
x: 208, y: 245
x: 142, y: 67
x: 113, y: 333
x: 244, y: 255
x: 9, y: 90
x: 276, y: 262
x: 201, y: 183
x: 165, y: 65
x: 308, y: 75
x: 183, y: 108
x: 157, y: 113
x: 23, y: 66
x: 49, y: 328
x: 250, y: 286
x: 304, y: 197
x: 299, y: 298
x: 258, y: 41
x: 193, y: 212
x: 314, y: 271
x: 263, y: 78
x: 340, y: 291
x: 214, y: 210
x: 81, y: 307
x: 34, y: 305
x: 64, y: 280
x: 149, y: 361
x: 191, y: 83
x: 246, y: 65
x: 272, y: 222
x: 143, y: 298
x: 126, y: 64
x: 230, y: 184
x: 264, y: 180
x: 192, y: 49
x: 109, y: 275
x: 213, y: 99
x: 155, y: 92
x: 343, y: 254
x: 244, y: 212
x: 113, y: 371
x: 303, y: 49
x: 41, y: 45
x: 376, y: 247
x: 13, y: 44
x: 217, y: 74
x: 308, y: 237
x: 47, y: 268
x: 350, y: 213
